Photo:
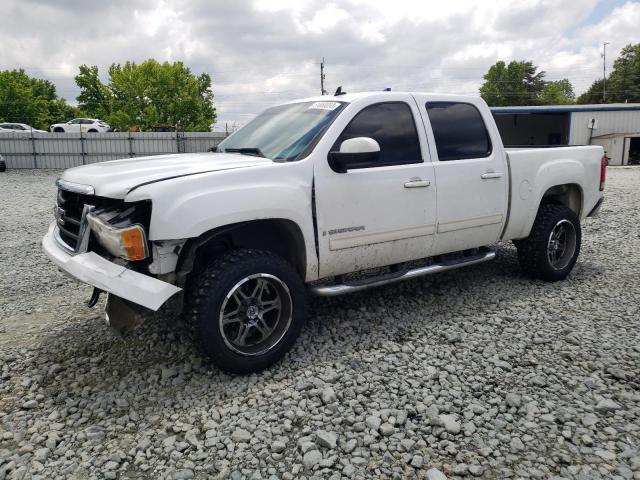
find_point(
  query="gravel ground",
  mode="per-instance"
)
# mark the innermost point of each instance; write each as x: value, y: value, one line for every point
x: 475, y: 373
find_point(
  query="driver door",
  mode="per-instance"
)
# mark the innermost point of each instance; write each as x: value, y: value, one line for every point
x: 380, y: 213
x: 73, y: 126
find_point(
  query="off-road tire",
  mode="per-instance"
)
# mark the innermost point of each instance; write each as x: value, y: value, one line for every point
x: 210, y: 288
x: 532, y: 251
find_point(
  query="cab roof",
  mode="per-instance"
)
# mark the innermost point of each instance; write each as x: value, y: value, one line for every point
x: 351, y: 97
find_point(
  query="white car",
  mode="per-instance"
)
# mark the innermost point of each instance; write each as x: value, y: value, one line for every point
x: 18, y: 128
x: 327, y: 195
x: 84, y: 125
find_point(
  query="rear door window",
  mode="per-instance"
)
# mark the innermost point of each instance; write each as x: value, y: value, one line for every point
x: 459, y: 131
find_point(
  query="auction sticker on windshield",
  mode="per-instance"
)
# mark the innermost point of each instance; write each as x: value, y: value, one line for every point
x: 324, y: 105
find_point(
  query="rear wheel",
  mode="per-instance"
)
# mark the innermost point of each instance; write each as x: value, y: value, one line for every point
x: 552, y: 248
x: 249, y: 307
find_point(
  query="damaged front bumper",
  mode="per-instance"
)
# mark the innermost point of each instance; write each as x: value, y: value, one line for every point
x: 115, y: 279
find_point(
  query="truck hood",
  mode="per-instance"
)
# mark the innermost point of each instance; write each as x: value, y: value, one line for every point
x: 116, y: 178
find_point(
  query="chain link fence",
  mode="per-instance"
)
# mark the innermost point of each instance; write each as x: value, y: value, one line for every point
x: 65, y: 150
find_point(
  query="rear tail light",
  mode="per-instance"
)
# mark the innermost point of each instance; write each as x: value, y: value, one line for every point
x: 603, y: 172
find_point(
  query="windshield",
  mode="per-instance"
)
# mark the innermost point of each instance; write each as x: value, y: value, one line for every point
x: 283, y: 132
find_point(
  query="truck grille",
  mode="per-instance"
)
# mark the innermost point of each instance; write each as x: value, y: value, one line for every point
x: 71, y: 227
x: 68, y: 215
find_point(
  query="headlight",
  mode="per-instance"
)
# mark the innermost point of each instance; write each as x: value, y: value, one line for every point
x: 129, y: 242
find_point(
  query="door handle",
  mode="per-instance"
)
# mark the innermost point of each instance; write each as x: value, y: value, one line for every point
x: 416, y: 182
x: 488, y: 175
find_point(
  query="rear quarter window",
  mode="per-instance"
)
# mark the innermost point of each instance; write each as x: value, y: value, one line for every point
x: 459, y: 130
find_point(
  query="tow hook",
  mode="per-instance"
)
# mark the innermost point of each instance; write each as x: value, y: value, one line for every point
x: 95, y: 296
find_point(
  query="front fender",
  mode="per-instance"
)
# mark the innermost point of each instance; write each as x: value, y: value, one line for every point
x: 189, y: 206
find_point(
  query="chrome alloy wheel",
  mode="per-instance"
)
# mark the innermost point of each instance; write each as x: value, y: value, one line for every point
x: 561, y: 245
x: 255, y: 314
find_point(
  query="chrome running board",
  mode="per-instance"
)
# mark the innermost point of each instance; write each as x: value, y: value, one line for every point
x: 333, y: 290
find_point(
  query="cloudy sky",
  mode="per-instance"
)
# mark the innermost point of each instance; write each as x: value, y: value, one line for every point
x: 261, y: 52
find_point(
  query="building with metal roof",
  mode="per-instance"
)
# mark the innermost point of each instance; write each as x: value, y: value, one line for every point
x: 615, y: 126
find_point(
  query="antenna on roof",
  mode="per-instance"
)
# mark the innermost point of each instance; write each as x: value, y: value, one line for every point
x: 388, y: 89
x: 339, y: 92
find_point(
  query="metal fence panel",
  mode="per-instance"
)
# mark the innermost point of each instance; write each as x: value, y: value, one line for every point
x: 200, y: 142
x: 154, y: 143
x: 18, y: 148
x: 65, y: 150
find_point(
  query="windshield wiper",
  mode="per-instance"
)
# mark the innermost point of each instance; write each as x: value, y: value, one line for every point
x: 246, y: 151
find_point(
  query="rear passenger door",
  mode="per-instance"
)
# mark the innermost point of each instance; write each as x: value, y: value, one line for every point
x: 470, y: 173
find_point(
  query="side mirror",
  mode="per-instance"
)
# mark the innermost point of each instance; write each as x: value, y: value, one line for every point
x: 356, y: 152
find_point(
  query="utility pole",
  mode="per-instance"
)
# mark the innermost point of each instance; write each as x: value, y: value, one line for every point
x: 322, y: 90
x: 604, y: 71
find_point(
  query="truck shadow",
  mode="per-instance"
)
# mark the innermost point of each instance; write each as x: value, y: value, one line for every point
x: 82, y: 361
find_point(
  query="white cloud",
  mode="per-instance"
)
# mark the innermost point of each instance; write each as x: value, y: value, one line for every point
x: 265, y: 51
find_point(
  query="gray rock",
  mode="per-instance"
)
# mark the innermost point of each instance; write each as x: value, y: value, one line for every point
x: 328, y: 395
x: 605, y: 454
x: 350, y: 445
x: 41, y: 454
x: 417, y: 461
x: 607, y: 405
x: 311, y: 459
x: 516, y: 445
x: 435, y: 474
x: 30, y: 405
x: 407, y: 444
x: 589, y: 419
x: 240, y: 435
x: 143, y: 444
x: 513, y: 400
x: 348, y: 470
x: 461, y: 469
x: 183, y: 474
x: 476, y: 470
x: 278, y: 446
x: 94, y: 432
x: 326, y: 439
x: 386, y: 429
x: 373, y: 422
x: 450, y: 424
x: 168, y: 372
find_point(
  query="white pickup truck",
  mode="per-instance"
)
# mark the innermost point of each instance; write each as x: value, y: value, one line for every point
x: 339, y: 193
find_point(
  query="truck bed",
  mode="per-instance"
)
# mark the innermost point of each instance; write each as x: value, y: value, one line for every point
x: 529, y: 180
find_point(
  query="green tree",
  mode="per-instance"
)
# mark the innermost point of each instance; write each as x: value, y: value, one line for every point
x: 623, y: 85
x: 31, y: 100
x: 94, y: 96
x: 559, y: 92
x: 149, y: 94
x: 518, y: 83
x: 592, y: 95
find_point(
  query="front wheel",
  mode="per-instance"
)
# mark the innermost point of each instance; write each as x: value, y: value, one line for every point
x: 249, y: 307
x: 552, y: 248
